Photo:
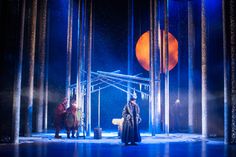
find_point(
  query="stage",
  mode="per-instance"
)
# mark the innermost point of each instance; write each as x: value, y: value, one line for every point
x: 146, y: 65
x: 178, y: 144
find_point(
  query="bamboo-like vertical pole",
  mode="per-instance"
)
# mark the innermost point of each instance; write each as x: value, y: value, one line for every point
x: 41, y: 48
x: 81, y: 55
x: 130, y: 42
x: 33, y: 19
x: 233, y: 71
x: 166, y: 14
x: 17, y: 80
x: 154, y: 99
x: 69, y: 49
x: 162, y: 78
x: 45, y: 127
x: 228, y: 16
x: 156, y: 70
x: 204, y: 68
x: 151, y: 72
x: 99, y: 107
x: 179, y: 53
x: 79, y: 58
x: 89, y: 65
x: 84, y: 48
x: 227, y: 104
x: 46, y: 73
x: 191, y: 45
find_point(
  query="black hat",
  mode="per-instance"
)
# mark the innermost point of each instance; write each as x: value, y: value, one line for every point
x: 133, y: 97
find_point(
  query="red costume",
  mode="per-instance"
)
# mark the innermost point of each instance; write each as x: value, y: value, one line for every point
x: 59, y: 117
x: 71, y: 120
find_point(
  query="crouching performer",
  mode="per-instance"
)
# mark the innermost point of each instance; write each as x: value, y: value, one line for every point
x: 71, y: 119
x: 130, y: 130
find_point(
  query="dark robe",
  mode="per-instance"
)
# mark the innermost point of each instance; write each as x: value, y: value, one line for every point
x: 130, y: 128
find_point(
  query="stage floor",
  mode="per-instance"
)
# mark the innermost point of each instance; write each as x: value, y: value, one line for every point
x: 174, y: 145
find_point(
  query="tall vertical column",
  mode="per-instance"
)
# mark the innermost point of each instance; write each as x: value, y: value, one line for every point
x: 162, y: 80
x: 99, y: 107
x: 154, y: 99
x: 30, y: 85
x: 81, y: 54
x: 233, y: 70
x: 191, y: 46
x: 69, y: 49
x: 157, y: 60
x: 79, y: 58
x: 204, y: 68
x: 130, y: 42
x: 156, y: 66
x: 42, y: 49
x: 89, y: 65
x: 167, y: 117
x: 17, y: 80
x: 227, y: 104
x: 151, y: 73
x: 228, y: 12
x: 46, y: 73
x: 45, y: 123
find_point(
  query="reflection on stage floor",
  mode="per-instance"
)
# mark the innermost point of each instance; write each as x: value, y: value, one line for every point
x: 172, y: 145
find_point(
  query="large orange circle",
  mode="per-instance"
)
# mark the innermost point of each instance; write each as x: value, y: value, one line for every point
x: 142, y: 50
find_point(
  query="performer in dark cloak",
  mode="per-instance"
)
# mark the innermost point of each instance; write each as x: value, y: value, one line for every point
x: 130, y: 129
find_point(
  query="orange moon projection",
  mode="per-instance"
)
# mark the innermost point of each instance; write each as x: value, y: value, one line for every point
x: 142, y: 50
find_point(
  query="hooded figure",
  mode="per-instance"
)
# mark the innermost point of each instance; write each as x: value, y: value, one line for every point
x: 130, y: 129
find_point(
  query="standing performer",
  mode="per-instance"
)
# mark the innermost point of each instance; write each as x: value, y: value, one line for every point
x: 59, y: 117
x: 130, y: 129
x: 71, y: 119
